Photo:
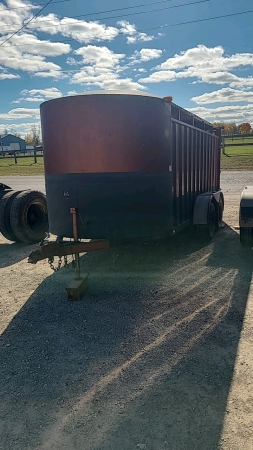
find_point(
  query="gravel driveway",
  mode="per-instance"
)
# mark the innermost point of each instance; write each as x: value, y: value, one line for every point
x: 231, y: 182
x: 157, y: 356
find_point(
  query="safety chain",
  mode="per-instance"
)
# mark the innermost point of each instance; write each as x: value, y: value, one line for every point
x: 51, y: 264
x: 56, y: 269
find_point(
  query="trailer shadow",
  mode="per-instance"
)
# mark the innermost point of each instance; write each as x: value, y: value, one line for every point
x: 146, y: 358
x: 12, y: 253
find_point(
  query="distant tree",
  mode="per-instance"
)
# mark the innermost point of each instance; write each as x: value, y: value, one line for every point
x: 230, y: 128
x: 218, y: 124
x: 14, y: 133
x: 245, y: 128
x: 33, y: 138
x: 29, y: 139
x: 36, y: 135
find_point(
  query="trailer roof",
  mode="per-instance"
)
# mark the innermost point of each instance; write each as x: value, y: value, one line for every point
x: 184, y: 112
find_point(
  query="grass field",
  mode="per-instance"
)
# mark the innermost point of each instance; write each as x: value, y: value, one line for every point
x: 25, y: 166
x: 236, y: 158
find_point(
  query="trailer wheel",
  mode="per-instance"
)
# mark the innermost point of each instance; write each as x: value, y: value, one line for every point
x: 5, y: 223
x: 206, y: 231
x: 220, y: 209
x: 28, y: 216
x: 246, y: 237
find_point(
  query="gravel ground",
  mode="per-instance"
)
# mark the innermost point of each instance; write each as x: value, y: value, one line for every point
x: 231, y: 182
x: 25, y: 182
x: 158, y: 354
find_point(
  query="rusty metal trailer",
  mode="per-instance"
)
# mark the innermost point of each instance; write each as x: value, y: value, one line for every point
x: 123, y: 165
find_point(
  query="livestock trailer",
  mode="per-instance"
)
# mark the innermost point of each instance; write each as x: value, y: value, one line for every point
x: 133, y: 166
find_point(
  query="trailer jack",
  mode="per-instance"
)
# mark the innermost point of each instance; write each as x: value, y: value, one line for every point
x: 48, y: 250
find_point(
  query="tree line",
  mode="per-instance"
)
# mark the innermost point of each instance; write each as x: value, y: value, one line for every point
x: 32, y: 138
x: 232, y: 128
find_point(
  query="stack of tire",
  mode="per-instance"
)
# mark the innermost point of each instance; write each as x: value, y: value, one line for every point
x: 23, y: 216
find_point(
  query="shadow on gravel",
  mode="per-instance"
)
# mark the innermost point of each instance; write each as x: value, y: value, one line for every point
x: 12, y: 253
x: 146, y: 358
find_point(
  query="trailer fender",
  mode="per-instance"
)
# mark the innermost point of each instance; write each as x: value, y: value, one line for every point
x: 246, y: 208
x: 201, y: 207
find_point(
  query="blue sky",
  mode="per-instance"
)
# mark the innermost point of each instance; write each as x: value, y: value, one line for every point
x: 74, y: 46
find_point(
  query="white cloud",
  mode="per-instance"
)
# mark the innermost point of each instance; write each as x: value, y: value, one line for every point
x: 28, y: 42
x: 21, y: 113
x: 34, y: 99
x: 127, y: 28
x: 242, y: 82
x: 145, y: 55
x: 57, y: 74
x: 72, y: 93
x: 102, y: 69
x: 139, y: 37
x: 207, y: 58
x: 80, y: 30
x: 104, y: 78
x: 8, y: 76
x: 198, y: 56
x: 232, y: 113
x: 99, y: 56
x: 12, y: 19
x: 132, y: 34
x: 11, y: 57
x: 72, y: 61
x: 38, y: 95
x: 157, y: 77
x: 208, y: 76
x: 224, y: 95
x: 206, y: 65
x: 47, y: 93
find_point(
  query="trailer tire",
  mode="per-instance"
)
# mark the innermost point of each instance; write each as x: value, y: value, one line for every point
x: 5, y: 208
x: 220, y: 210
x: 246, y: 237
x: 28, y: 216
x: 206, y: 231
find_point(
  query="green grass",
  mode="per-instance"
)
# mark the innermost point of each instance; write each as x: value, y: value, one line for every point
x: 239, y: 140
x: 238, y: 158
x: 25, y: 166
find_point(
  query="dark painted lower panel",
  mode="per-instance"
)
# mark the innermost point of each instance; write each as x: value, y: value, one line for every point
x: 111, y: 206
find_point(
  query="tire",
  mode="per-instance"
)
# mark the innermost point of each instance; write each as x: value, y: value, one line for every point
x: 206, y: 231
x: 28, y: 216
x: 219, y: 215
x: 246, y: 237
x: 5, y: 223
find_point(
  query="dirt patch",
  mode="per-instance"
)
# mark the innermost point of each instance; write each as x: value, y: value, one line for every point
x: 157, y: 356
